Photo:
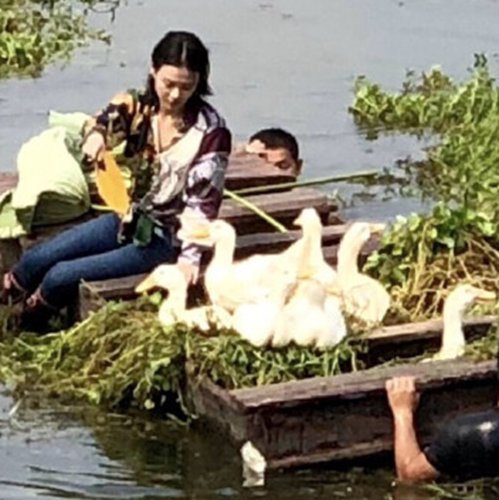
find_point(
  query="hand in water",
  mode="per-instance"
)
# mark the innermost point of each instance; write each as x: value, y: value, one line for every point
x: 93, y: 147
x: 189, y: 270
x: 402, y: 394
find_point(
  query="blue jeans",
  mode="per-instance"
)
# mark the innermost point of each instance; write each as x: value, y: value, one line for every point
x: 88, y: 251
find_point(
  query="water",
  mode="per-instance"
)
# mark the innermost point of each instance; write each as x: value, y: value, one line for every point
x: 284, y: 63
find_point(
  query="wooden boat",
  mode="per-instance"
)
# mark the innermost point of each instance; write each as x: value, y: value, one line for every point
x: 347, y: 416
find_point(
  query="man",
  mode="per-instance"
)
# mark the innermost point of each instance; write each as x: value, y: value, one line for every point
x: 277, y: 146
x: 467, y: 447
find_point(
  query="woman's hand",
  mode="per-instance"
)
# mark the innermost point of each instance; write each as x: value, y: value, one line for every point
x: 402, y: 395
x: 93, y: 147
x: 189, y: 270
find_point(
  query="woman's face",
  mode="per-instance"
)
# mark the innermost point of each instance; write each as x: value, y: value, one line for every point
x: 174, y: 86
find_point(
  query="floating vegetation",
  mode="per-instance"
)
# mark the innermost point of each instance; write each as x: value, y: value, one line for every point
x: 476, y: 489
x: 423, y: 256
x: 36, y: 33
x: 463, y: 168
x: 121, y: 355
x: 484, y: 348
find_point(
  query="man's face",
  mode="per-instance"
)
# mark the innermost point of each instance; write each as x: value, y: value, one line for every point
x: 279, y: 157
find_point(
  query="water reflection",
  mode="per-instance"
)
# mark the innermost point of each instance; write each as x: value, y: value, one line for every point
x: 55, y: 452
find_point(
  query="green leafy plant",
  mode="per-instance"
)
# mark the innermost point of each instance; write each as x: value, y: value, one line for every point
x: 462, y: 169
x: 36, y: 33
x: 422, y: 256
x: 122, y: 355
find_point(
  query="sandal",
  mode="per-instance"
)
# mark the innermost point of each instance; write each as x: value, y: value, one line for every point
x: 12, y: 292
x: 36, y: 314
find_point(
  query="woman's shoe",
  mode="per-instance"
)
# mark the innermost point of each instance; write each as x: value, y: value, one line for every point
x: 36, y: 314
x: 11, y: 292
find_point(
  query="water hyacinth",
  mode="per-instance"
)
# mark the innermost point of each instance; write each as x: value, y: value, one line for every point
x: 462, y: 169
x: 36, y: 33
x: 425, y: 255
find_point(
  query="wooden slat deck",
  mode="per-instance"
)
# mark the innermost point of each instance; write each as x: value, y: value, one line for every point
x: 347, y: 416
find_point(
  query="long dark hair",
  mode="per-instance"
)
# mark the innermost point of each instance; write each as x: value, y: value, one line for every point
x: 181, y: 49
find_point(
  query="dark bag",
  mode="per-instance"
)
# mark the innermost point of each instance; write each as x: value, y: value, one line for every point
x: 137, y: 228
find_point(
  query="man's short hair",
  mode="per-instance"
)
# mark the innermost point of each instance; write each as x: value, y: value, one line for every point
x: 274, y: 138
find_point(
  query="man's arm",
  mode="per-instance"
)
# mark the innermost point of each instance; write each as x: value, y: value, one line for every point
x: 411, y: 463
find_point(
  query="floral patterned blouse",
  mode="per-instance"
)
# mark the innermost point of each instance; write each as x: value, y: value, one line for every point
x: 127, y: 121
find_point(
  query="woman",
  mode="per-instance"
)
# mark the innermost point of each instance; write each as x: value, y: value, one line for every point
x: 185, y: 146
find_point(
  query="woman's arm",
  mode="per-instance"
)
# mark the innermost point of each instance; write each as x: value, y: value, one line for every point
x: 410, y: 462
x: 205, y: 184
x: 110, y: 126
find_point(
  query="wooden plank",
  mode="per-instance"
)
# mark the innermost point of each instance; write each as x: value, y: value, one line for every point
x: 246, y: 170
x: 353, y: 420
x: 249, y: 244
x: 289, y: 394
x: 282, y: 206
x: 8, y: 180
x: 413, y: 339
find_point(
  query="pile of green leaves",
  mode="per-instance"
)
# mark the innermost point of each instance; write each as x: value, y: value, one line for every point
x: 34, y: 33
x: 122, y: 355
x: 425, y: 255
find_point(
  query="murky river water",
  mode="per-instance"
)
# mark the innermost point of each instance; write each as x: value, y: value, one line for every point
x: 286, y: 63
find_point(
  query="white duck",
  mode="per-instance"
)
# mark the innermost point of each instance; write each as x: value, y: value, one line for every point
x: 311, y: 316
x: 307, y: 319
x: 253, y: 289
x: 173, y: 308
x: 456, y: 304
x: 307, y: 253
x: 362, y: 296
x: 256, y: 321
x: 230, y: 284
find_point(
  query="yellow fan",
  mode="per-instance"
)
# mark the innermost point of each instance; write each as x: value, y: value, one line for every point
x: 111, y: 185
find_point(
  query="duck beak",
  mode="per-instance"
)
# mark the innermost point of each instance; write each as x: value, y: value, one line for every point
x: 146, y: 284
x: 484, y: 296
x: 377, y: 228
x: 298, y: 221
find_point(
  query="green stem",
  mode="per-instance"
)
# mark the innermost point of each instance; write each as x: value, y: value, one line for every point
x: 258, y: 211
x: 310, y: 182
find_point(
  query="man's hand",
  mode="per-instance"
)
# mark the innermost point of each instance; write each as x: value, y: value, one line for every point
x: 402, y: 395
x: 189, y: 270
